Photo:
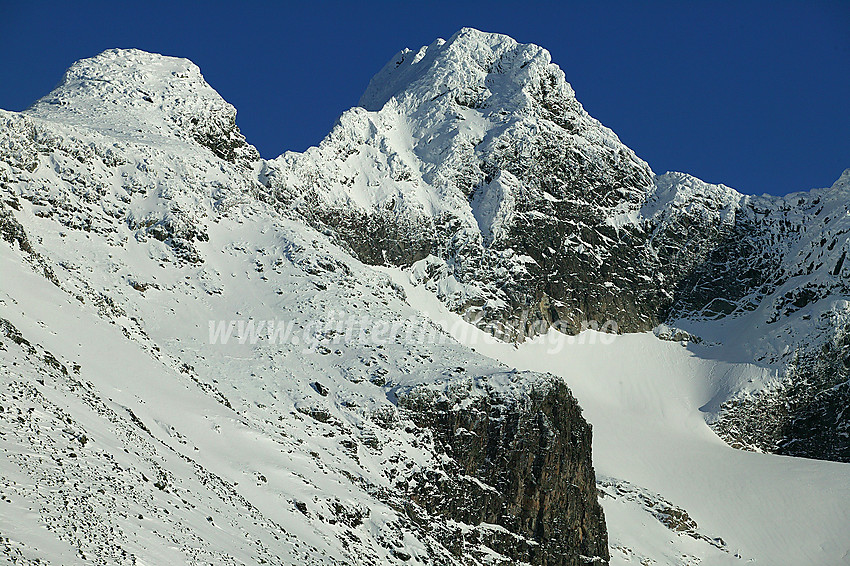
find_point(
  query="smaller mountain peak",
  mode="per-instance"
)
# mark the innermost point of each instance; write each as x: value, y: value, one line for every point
x: 130, y: 91
x: 130, y: 78
x: 843, y: 181
x: 143, y: 65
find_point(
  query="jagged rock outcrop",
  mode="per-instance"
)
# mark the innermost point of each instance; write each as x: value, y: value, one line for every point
x: 521, y: 463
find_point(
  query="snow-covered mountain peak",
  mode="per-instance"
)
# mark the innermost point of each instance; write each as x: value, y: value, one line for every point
x: 134, y: 94
x: 462, y: 150
x: 134, y: 81
x: 482, y: 68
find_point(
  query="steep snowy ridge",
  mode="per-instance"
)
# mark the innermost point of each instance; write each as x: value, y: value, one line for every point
x: 796, y: 236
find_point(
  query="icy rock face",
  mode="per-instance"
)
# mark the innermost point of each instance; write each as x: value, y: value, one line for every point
x: 131, y: 436
x: 729, y: 253
x: 475, y: 150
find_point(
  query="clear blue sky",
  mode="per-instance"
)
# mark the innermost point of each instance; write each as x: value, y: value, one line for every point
x: 755, y: 95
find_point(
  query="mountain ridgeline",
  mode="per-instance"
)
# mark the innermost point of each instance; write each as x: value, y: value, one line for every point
x: 132, y: 215
x: 133, y: 211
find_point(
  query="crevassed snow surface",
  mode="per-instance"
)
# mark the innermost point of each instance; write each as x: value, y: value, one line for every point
x: 643, y: 397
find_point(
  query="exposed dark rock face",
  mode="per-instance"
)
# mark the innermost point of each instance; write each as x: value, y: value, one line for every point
x: 378, y: 239
x: 522, y: 463
x: 11, y: 230
x: 724, y: 253
x: 711, y: 250
x: 806, y: 415
x: 221, y: 135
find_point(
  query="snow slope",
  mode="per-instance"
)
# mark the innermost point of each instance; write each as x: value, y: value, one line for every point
x: 644, y: 397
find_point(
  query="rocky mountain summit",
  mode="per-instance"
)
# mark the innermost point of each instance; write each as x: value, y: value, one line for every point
x: 476, y: 151
x: 205, y: 360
